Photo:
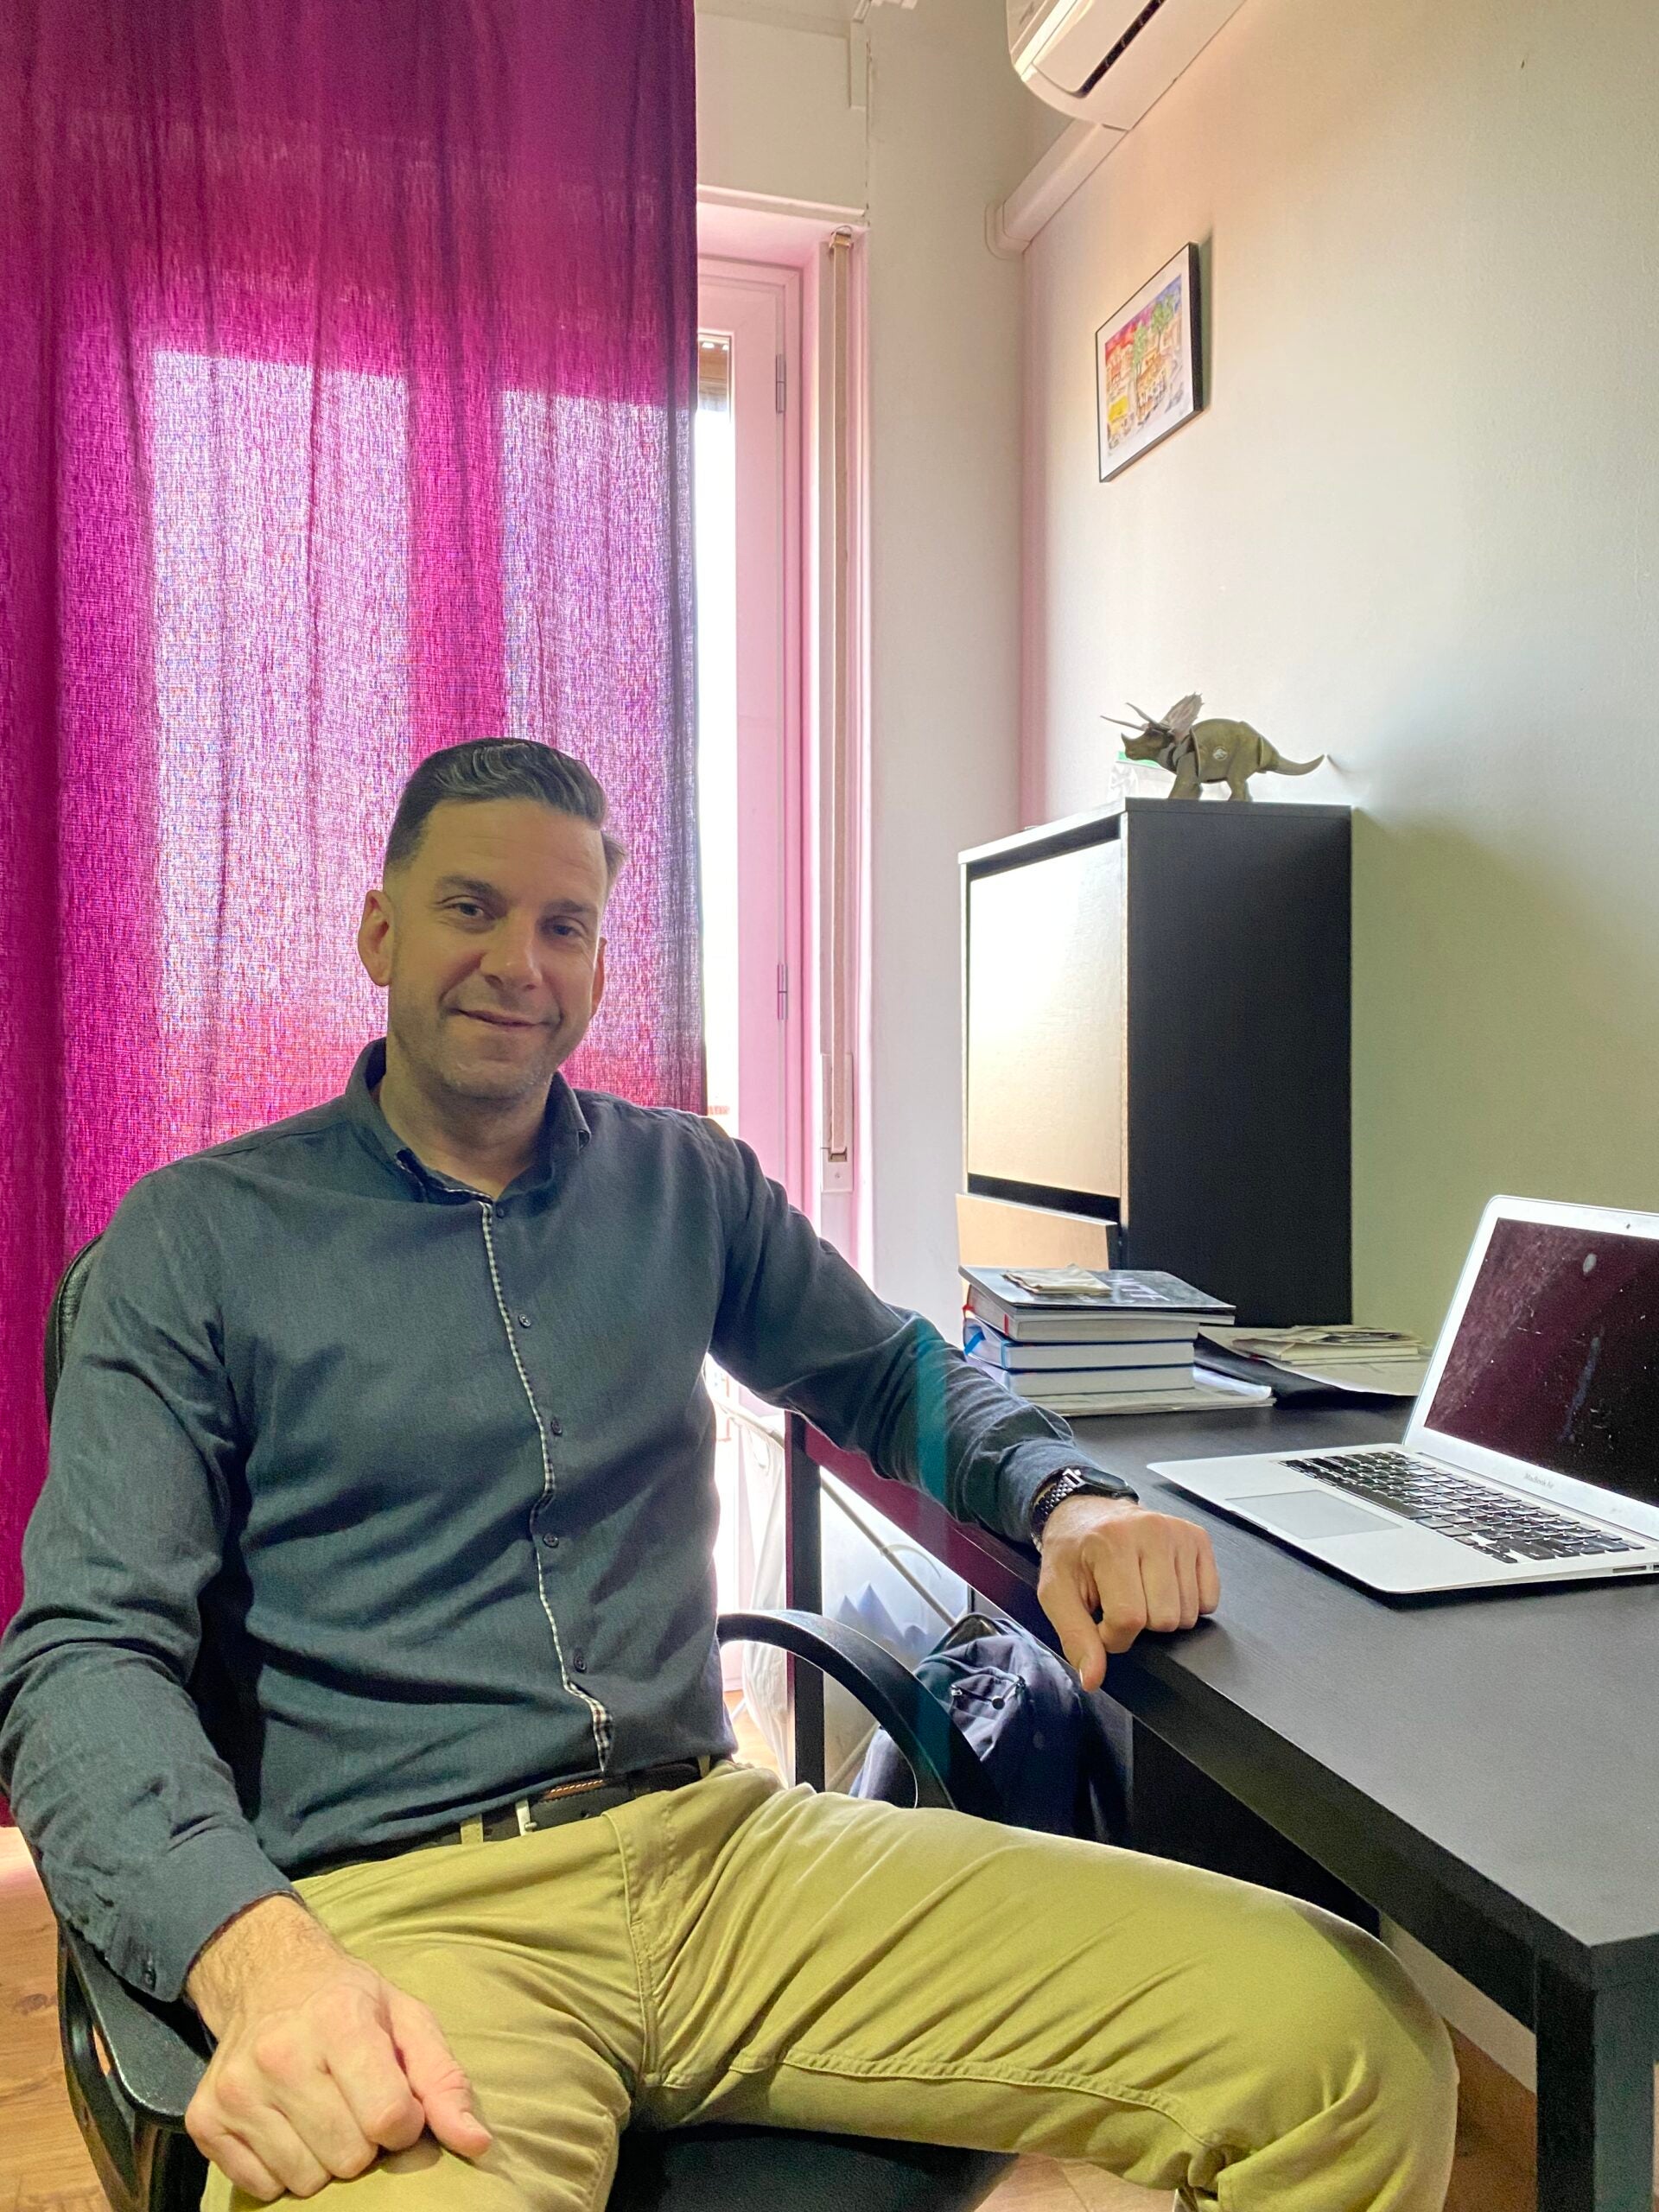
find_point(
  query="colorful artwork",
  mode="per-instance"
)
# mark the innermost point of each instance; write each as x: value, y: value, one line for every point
x: 1146, y: 365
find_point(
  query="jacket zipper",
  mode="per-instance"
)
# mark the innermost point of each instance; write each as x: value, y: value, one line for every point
x: 597, y: 1714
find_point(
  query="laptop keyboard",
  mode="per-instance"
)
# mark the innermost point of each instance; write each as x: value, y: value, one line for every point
x: 1496, y: 1522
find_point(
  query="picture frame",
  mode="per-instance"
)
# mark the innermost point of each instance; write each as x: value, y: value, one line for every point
x: 1149, y: 366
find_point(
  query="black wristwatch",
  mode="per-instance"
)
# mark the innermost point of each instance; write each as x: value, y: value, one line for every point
x: 1066, y: 1484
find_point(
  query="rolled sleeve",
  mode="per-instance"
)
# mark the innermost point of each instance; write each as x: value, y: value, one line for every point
x: 132, y: 1815
x: 801, y: 1327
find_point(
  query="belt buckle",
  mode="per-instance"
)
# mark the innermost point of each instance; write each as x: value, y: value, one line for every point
x: 522, y: 1810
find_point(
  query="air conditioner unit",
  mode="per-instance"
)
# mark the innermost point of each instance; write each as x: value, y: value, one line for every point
x: 1108, y: 60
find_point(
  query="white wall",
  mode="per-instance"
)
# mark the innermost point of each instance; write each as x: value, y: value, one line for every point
x: 774, y: 115
x: 946, y: 132
x: 1416, y: 527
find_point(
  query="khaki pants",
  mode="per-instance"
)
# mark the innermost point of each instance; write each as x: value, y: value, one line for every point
x: 736, y: 1949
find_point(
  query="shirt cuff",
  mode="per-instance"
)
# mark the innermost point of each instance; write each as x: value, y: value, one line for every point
x: 199, y: 1884
x: 1038, y: 1463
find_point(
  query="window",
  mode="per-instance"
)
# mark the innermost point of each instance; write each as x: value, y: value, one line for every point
x: 782, y: 570
x: 749, y: 709
x: 749, y: 693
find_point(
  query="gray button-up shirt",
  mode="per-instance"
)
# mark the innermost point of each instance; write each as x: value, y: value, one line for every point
x: 375, y: 1504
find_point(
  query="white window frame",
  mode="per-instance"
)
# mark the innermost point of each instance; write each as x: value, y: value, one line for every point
x: 759, y: 308
x: 828, y: 832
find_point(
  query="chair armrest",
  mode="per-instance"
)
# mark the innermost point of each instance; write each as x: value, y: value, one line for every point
x: 158, y: 2053
x: 945, y: 1764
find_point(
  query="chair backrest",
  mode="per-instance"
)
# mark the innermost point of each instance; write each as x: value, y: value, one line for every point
x: 61, y: 1320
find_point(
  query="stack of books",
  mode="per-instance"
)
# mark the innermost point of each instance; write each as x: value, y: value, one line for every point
x: 1085, y: 1340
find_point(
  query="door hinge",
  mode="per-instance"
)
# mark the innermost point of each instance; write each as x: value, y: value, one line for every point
x: 782, y: 990
x: 781, y: 385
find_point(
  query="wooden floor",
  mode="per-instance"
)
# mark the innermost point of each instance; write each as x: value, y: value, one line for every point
x: 44, y: 2169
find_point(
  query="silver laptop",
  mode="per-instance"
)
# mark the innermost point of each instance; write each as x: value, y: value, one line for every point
x: 1533, y: 1451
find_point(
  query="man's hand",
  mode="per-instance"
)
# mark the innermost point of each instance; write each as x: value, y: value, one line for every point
x: 1136, y: 1568
x: 320, y: 2064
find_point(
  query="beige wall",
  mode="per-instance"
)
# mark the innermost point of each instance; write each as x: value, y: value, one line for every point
x: 1417, y: 527
x: 774, y: 115
x: 946, y: 132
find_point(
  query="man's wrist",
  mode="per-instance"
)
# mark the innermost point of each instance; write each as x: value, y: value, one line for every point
x: 273, y: 1933
x: 1067, y: 1483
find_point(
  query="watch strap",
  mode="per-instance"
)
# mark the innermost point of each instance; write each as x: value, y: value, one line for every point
x: 1067, y: 1484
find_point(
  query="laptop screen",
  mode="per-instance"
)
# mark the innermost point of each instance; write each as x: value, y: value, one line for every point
x: 1556, y: 1359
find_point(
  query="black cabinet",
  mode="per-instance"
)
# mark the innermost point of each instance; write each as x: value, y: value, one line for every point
x: 1157, y: 1036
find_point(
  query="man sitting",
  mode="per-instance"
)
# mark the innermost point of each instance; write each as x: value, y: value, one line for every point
x: 366, y: 1685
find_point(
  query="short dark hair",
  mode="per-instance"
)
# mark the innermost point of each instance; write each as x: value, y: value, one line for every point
x: 500, y: 767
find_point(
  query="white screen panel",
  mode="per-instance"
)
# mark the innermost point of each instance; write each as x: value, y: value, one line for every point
x: 1046, y: 1023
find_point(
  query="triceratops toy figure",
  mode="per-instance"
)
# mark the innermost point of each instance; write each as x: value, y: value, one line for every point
x: 1197, y: 752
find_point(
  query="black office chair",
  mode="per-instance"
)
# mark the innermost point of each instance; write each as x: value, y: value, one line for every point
x: 132, y: 2064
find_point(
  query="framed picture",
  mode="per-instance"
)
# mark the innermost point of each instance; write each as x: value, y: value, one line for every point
x: 1147, y: 364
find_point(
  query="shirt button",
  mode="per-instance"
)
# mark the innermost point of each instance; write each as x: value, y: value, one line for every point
x: 555, y: 1426
x: 579, y: 1661
x: 552, y: 1542
x: 523, y: 1321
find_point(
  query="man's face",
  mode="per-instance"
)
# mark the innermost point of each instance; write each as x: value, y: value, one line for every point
x: 488, y: 946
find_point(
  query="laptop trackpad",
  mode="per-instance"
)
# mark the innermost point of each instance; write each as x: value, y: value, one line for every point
x: 1315, y: 1513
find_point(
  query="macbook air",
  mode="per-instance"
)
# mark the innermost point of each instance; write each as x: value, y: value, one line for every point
x: 1533, y: 1450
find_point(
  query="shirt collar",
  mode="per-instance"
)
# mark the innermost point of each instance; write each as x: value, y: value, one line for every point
x: 564, y: 1129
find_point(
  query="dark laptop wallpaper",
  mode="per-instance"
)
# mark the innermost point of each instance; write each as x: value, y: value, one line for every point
x: 1557, y: 1359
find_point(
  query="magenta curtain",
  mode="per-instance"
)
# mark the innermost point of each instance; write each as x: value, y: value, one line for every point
x: 346, y: 379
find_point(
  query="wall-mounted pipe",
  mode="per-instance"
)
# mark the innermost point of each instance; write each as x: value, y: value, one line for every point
x: 1070, y: 162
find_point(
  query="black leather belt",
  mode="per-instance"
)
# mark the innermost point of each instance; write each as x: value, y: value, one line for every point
x: 580, y: 1800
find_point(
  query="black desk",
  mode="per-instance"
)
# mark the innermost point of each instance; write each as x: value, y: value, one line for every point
x: 1484, y: 1770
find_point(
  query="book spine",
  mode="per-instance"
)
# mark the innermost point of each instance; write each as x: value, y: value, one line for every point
x: 1125, y: 1383
x: 1101, y: 1358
